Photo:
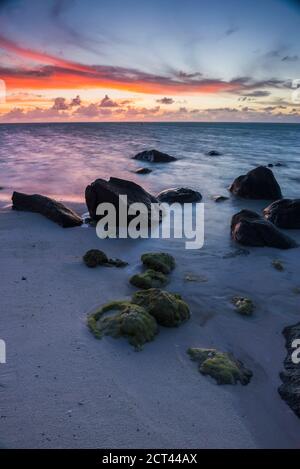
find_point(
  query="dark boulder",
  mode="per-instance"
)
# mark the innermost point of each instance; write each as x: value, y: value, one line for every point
x: 284, y: 213
x: 154, y: 156
x: 259, y: 183
x: 143, y: 171
x: 101, y: 191
x: 290, y: 377
x: 50, y: 208
x: 250, y: 229
x: 214, y: 153
x: 220, y: 198
x: 179, y: 194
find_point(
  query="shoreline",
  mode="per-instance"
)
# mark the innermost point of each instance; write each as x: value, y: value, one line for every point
x: 63, y: 388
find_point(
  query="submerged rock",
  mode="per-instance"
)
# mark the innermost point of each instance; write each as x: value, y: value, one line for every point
x: 168, y: 309
x: 101, y: 191
x: 143, y: 171
x: 259, y: 183
x: 236, y: 253
x: 284, y: 213
x: 220, y: 198
x: 290, y: 389
x: 160, y: 261
x: 179, y: 194
x: 278, y: 265
x: 243, y: 305
x: 50, y: 208
x: 250, y: 229
x: 214, y: 153
x: 126, y: 320
x: 149, y: 279
x: 154, y: 156
x: 221, y: 366
x: 95, y: 257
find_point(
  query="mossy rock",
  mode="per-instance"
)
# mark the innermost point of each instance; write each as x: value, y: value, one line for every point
x: 221, y: 366
x: 127, y: 320
x: 149, y: 279
x: 243, y: 305
x: 160, y: 261
x: 278, y: 265
x: 168, y: 308
x: 95, y: 257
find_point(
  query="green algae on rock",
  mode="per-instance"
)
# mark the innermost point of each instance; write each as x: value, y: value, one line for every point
x: 221, y: 366
x: 278, y: 265
x: 160, y: 261
x: 126, y: 320
x: 243, y: 305
x: 149, y: 279
x: 95, y: 257
x: 168, y: 308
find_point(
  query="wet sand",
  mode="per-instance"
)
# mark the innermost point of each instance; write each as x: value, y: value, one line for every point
x: 62, y: 388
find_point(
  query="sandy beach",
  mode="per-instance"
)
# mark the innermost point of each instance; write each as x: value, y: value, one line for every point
x: 62, y: 388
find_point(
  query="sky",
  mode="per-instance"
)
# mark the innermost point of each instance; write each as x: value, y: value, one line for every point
x: 149, y: 60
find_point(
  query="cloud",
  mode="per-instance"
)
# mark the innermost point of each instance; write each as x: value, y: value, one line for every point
x: 258, y: 94
x: 60, y: 104
x: 290, y: 58
x: 107, y: 102
x: 55, y: 72
x: 165, y: 100
x: 75, y: 101
x: 231, y: 30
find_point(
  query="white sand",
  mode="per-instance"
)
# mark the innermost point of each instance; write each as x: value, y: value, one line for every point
x: 63, y: 388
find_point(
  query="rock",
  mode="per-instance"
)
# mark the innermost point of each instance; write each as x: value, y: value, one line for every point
x: 108, y: 191
x: 250, y: 229
x: 117, y: 262
x: 143, y: 171
x: 179, y: 194
x: 236, y: 253
x: 270, y: 165
x: 50, y: 208
x: 244, y: 306
x: 259, y: 183
x: 168, y: 309
x: 220, y: 198
x: 160, y: 261
x: 95, y: 257
x: 154, y: 156
x: 284, y: 213
x: 277, y: 265
x: 221, y: 366
x: 127, y: 320
x: 214, y: 153
x: 149, y: 279
x: 190, y: 277
x: 290, y: 389
x: 279, y: 164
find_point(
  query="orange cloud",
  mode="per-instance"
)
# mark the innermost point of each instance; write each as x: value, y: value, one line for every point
x: 39, y: 57
x: 58, y: 73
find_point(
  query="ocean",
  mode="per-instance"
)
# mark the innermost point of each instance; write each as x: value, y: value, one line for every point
x: 60, y: 160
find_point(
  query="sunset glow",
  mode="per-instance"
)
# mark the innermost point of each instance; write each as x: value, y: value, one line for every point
x: 208, y: 79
